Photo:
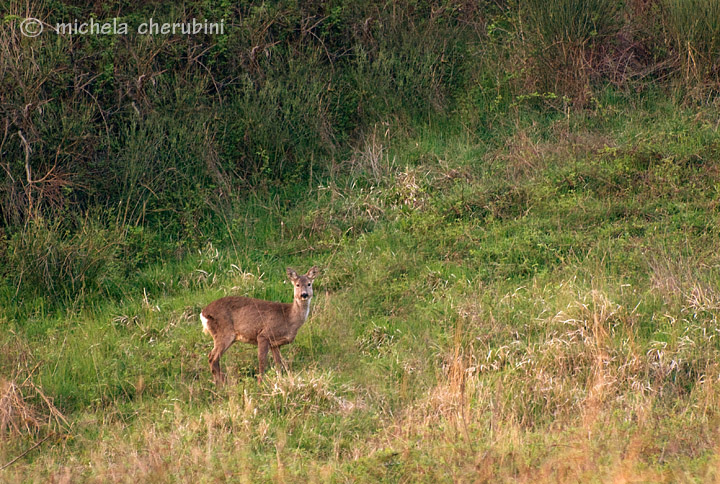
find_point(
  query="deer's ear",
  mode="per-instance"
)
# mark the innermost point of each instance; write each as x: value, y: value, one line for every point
x: 312, y: 273
x: 292, y: 275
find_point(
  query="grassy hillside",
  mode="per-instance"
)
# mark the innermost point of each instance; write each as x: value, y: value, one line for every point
x: 545, y: 308
x: 519, y: 250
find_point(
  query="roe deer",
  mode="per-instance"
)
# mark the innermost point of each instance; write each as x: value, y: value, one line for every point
x: 266, y: 324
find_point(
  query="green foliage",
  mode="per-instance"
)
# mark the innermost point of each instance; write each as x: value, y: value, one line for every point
x: 694, y: 28
x: 569, y: 41
x: 517, y: 236
x: 48, y: 261
x: 559, y: 282
x: 167, y: 133
x: 571, y: 22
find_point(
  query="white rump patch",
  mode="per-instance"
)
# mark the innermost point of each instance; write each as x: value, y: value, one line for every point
x: 204, y: 323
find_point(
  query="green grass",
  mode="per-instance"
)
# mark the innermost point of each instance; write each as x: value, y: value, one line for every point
x: 544, y: 308
x: 515, y: 210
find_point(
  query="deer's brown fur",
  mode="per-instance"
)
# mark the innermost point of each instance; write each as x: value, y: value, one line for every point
x: 266, y: 324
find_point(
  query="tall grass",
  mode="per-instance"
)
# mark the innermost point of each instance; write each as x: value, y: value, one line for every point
x: 570, y: 42
x: 168, y: 135
x: 542, y: 309
x: 694, y: 28
x: 519, y: 247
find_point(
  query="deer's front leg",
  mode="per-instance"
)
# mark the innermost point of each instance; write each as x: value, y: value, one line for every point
x: 278, y: 358
x: 263, y: 346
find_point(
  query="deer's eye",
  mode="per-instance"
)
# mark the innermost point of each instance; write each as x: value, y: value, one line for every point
x: 297, y: 285
x: 309, y: 284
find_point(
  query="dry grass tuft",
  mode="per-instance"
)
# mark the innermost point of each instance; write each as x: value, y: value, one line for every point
x: 307, y: 392
x: 371, y: 157
x: 523, y: 157
x: 24, y: 408
x: 679, y: 278
x: 576, y: 403
x: 16, y: 415
x: 408, y: 190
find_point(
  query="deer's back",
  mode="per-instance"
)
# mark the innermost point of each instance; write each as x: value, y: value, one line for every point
x: 245, y: 316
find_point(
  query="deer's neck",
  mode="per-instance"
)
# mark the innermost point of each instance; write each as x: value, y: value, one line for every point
x: 299, y: 311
